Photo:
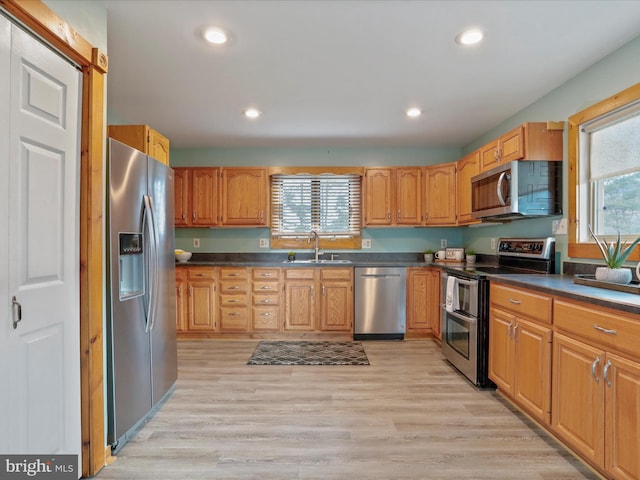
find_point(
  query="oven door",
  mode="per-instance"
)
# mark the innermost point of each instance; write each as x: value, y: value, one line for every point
x: 460, y: 342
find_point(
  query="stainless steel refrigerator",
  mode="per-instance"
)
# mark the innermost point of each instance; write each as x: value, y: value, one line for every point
x: 141, y: 311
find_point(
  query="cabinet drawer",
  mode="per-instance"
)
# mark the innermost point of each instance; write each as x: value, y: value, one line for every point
x: 234, y: 320
x: 201, y: 273
x: 266, y: 287
x: 300, y: 274
x: 266, y: 318
x: 233, y: 300
x: 607, y: 328
x: 234, y: 287
x: 521, y: 302
x: 336, y: 274
x: 266, y: 274
x: 231, y: 273
x: 266, y: 299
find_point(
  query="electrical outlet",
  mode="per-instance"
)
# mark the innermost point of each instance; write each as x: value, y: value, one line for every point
x: 366, y: 243
x: 493, y: 244
x: 196, y: 243
x: 443, y: 243
x: 264, y: 243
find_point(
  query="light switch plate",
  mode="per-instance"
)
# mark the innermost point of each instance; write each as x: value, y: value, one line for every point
x: 196, y: 243
x: 264, y: 243
x: 366, y: 243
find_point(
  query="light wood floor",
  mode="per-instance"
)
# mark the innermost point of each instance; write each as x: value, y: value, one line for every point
x: 408, y: 415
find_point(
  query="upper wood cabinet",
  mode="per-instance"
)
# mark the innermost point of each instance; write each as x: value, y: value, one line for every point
x: 440, y: 194
x: 143, y: 138
x: 220, y: 196
x: 466, y: 167
x: 196, y: 196
x: 379, y: 196
x: 244, y: 199
x: 529, y: 141
x: 393, y: 196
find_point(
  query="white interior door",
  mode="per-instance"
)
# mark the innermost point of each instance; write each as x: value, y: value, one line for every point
x: 42, y: 407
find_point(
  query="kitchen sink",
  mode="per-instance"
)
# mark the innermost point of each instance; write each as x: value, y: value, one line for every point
x: 323, y: 262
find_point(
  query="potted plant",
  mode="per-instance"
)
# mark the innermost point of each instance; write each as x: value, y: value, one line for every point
x: 471, y: 255
x: 291, y: 256
x: 428, y: 255
x: 615, y: 253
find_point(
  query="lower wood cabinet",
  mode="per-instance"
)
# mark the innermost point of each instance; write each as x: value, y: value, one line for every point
x: 300, y: 304
x: 266, y: 304
x: 233, y: 299
x: 318, y: 299
x: 520, y: 348
x: 336, y: 299
x: 424, y: 292
x: 596, y: 389
x: 201, y: 299
x: 181, y: 300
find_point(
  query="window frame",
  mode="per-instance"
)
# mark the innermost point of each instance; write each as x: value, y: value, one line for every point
x: 326, y: 243
x: 578, y: 191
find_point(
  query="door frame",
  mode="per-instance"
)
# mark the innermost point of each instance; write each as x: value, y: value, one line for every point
x: 36, y: 16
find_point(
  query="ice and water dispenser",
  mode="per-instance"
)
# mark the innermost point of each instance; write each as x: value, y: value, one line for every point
x: 131, y: 260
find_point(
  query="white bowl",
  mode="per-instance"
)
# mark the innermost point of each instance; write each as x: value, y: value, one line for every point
x: 183, y: 257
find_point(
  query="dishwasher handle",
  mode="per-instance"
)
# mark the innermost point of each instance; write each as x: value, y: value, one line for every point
x: 379, y: 275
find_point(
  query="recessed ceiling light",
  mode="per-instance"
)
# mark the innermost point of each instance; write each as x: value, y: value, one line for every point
x: 414, y: 112
x: 469, y: 37
x: 252, y: 113
x: 216, y: 36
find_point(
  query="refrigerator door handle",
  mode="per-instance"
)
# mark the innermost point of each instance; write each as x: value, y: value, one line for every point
x: 148, y: 224
x: 156, y: 265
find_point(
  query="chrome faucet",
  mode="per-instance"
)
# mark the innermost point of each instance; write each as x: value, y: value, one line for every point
x: 316, y: 249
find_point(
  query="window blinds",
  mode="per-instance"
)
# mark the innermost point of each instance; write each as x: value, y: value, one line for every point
x: 329, y: 204
x: 614, y: 144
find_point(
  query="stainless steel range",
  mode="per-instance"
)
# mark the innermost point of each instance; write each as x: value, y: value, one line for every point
x: 465, y: 302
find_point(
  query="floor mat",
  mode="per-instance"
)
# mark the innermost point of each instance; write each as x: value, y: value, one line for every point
x: 308, y: 353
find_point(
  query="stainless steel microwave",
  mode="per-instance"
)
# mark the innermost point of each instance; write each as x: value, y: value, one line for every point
x: 518, y: 189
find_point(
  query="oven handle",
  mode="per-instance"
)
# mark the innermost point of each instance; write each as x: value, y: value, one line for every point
x: 461, y: 281
x: 464, y: 318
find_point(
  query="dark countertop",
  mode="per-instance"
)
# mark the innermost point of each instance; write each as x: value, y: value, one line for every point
x: 559, y: 285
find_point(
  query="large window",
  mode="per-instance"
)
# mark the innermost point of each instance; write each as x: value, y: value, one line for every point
x: 328, y: 204
x: 604, y: 156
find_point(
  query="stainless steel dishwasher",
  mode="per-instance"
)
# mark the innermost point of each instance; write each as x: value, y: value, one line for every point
x: 380, y: 303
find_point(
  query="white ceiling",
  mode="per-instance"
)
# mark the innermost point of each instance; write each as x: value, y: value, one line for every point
x: 342, y: 73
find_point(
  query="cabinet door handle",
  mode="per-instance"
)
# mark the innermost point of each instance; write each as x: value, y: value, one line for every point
x: 266, y: 274
x: 266, y: 301
x: 267, y: 314
x: 193, y: 214
x: 323, y: 290
x: 232, y: 314
x: 233, y: 300
x: 234, y: 288
x: 605, y: 373
x: 267, y: 288
x: 389, y: 215
x: 515, y: 302
x: 509, y: 329
x: 608, y: 331
x: 515, y: 334
x: 594, y: 365
x: 399, y: 215
x: 201, y: 274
